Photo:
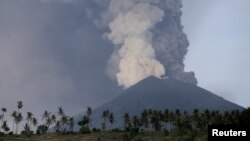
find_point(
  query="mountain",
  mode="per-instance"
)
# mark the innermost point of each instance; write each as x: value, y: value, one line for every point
x: 160, y: 94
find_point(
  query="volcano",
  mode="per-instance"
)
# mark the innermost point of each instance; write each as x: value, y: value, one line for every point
x: 160, y: 94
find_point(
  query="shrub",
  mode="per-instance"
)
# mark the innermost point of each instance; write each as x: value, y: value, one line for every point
x: 2, y: 134
x: 11, y: 133
x: 84, y: 130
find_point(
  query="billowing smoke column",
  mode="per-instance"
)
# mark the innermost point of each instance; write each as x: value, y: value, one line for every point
x: 130, y: 29
x: 171, y: 43
x: 148, y: 38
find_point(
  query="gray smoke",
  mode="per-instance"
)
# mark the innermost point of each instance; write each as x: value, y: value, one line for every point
x: 171, y: 43
x: 148, y: 38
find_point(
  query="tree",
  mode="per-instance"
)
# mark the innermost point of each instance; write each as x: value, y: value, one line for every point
x: 29, y: 118
x: 14, y: 116
x: 34, y: 122
x: 84, y: 122
x: 49, y: 122
x: 19, y: 105
x: 27, y: 131
x: 17, y: 116
x: 71, y: 124
x: 136, y: 123
x: 87, y: 116
x: 127, y: 121
x: 186, y: 121
x: 2, y: 117
x: 156, y: 120
x: 105, y: 114
x: 46, y: 118
x: 57, y: 126
x: 41, y: 129
x: 61, y: 111
x: 244, y: 117
x: 64, y: 121
x: 196, y: 118
x: 145, y: 118
x: 166, y: 117
x: 177, y: 119
x: 111, y: 118
x: 89, y: 111
x: 5, y: 126
x: 53, y: 118
x: 18, y: 120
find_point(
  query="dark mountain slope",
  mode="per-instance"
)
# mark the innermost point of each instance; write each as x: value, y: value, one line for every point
x: 161, y: 94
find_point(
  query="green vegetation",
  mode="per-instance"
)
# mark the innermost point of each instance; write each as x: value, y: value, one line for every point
x: 149, y: 125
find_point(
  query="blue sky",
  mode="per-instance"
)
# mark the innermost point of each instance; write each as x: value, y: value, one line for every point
x: 219, y: 52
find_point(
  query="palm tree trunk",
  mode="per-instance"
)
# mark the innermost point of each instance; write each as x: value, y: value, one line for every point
x: 17, y: 126
x: 13, y: 126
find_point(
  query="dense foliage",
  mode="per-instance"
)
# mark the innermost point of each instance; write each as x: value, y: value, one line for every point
x: 169, y: 123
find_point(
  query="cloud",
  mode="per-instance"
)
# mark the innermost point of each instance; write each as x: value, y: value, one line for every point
x: 50, y: 54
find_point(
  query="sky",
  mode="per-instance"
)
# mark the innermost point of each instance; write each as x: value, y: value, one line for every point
x: 51, y: 54
x: 219, y: 51
x: 50, y: 57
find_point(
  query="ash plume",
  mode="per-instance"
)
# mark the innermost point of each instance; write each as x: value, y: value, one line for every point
x: 130, y: 30
x: 171, y: 43
x: 148, y: 38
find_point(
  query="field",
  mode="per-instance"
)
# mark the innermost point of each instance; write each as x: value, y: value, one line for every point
x: 107, y: 136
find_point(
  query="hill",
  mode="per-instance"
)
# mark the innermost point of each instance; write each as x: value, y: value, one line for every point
x: 160, y: 94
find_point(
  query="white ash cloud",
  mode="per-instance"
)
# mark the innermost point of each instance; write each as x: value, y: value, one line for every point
x: 148, y: 38
x: 130, y: 30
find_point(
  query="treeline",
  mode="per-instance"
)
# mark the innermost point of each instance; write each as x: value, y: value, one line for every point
x: 169, y: 122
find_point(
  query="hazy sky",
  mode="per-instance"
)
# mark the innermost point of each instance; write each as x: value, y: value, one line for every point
x: 52, y: 55
x: 219, y: 52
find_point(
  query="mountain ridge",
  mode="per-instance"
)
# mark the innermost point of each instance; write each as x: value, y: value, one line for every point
x: 160, y: 94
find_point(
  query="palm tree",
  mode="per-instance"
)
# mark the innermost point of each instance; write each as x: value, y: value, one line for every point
x: 156, y: 120
x: 19, y: 105
x: 88, y: 114
x: 14, y: 116
x: 17, y: 115
x: 53, y: 119
x: 5, y: 126
x: 18, y: 120
x: 60, y: 111
x: 136, y: 123
x: 207, y: 118
x: 57, y: 126
x: 89, y: 111
x: 196, y: 118
x: 145, y: 119
x: 177, y: 119
x: 64, y: 121
x: 186, y: 121
x: 126, y: 121
x: 71, y: 124
x: 166, y: 117
x: 2, y: 117
x: 49, y: 122
x: 45, y: 117
x: 111, y: 118
x: 29, y: 118
x: 105, y: 114
x: 34, y: 122
x: 3, y: 111
x: 171, y: 118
